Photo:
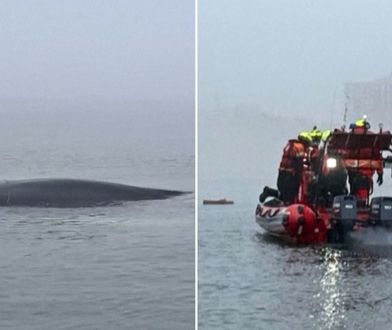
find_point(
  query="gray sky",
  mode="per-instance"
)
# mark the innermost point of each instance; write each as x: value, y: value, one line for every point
x: 114, y: 50
x: 290, y: 56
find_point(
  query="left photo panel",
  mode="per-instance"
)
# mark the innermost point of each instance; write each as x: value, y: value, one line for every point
x: 97, y: 190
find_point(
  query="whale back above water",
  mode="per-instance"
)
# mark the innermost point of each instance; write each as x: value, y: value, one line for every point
x: 74, y: 193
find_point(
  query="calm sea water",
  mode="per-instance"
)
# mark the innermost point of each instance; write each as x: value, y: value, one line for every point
x: 122, y: 267
x: 247, y: 281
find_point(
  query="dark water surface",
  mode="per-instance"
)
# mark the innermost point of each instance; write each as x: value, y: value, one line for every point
x: 121, y: 267
x: 247, y: 281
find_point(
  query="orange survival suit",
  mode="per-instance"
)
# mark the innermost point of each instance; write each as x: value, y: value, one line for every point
x: 290, y: 170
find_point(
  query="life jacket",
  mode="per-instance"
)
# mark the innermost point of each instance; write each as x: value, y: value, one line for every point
x: 293, y: 155
x: 361, y: 173
x: 366, y: 167
x: 359, y: 130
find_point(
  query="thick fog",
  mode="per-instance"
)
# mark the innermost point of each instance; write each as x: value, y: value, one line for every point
x: 97, y: 50
x: 270, y: 69
x: 290, y: 56
x: 95, y: 78
x: 98, y: 90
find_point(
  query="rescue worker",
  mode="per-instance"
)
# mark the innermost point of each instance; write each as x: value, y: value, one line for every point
x: 361, y: 125
x: 327, y: 183
x: 291, y: 165
x: 316, y: 136
x: 316, y: 153
x: 290, y: 170
x: 361, y: 179
x: 363, y: 164
x: 332, y: 181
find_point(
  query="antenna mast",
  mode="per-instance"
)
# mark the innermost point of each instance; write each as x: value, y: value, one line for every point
x: 345, y: 109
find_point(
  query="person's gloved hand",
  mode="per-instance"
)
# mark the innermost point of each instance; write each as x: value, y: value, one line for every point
x: 379, y: 179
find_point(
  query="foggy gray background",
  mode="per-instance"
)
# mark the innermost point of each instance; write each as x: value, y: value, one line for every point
x: 270, y: 69
x: 88, y: 75
x: 99, y: 90
x: 127, y: 50
x: 290, y: 56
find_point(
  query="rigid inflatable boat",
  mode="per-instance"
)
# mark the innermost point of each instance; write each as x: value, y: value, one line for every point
x: 321, y: 214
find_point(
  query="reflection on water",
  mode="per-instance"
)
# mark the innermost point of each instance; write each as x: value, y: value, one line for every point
x: 249, y: 281
x: 331, y: 296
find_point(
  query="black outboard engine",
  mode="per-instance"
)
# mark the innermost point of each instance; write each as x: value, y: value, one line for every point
x: 344, y: 215
x: 381, y: 211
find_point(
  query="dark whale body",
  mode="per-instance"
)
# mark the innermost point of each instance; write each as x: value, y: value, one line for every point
x: 74, y: 193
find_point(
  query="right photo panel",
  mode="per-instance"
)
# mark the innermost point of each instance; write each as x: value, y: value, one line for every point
x: 294, y: 164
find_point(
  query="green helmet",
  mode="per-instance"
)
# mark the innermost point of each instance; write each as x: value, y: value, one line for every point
x: 360, y: 123
x: 315, y: 133
x: 305, y: 137
x: 363, y: 122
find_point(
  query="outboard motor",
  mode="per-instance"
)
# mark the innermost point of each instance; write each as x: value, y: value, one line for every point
x: 344, y: 214
x: 381, y: 211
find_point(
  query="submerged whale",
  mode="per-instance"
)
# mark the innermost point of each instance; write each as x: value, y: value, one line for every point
x: 74, y: 193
